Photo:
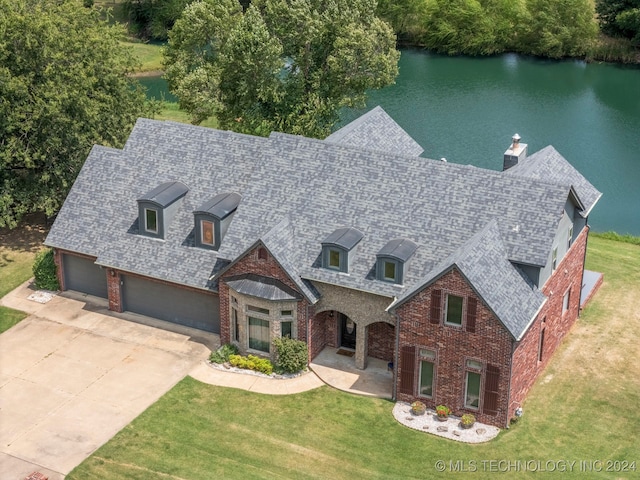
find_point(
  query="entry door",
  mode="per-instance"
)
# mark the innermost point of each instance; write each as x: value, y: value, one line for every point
x: 348, y: 332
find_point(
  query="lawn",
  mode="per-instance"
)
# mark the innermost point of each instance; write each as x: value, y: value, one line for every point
x: 18, y: 249
x: 583, y: 409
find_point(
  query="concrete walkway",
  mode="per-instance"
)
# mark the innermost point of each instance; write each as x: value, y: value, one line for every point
x: 72, y: 375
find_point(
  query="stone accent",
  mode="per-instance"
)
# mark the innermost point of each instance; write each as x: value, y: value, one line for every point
x: 567, y: 277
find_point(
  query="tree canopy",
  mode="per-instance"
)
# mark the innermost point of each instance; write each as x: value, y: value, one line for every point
x: 64, y: 87
x: 285, y: 65
x: 620, y: 18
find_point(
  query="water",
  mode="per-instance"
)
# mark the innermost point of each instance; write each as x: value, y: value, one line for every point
x: 157, y: 88
x: 467, y: 109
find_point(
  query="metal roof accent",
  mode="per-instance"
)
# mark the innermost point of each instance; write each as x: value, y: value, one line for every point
x: 347, y: 238
x: 262, y: 287
x: 400, y: 248
x: 165, y: 194
x: 221, y: 205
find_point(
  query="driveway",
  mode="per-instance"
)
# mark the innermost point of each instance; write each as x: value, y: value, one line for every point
x: 73, y: 374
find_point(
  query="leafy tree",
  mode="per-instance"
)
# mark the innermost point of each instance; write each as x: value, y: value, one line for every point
x: 63, y: 88
x: 286, y: 65
x: 153, y: 18
x: 620, y: 18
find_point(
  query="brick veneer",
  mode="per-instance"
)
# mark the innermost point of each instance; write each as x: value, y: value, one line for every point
x: 382, y: 341
x: 490, y: 344
x: 567, y: 277
x: 268, y: 267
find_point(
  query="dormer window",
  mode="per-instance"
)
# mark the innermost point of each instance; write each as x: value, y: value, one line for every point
x: 338, y: 249
x: 392, y: 260
x: 157, y: 208
x: 213, y: 218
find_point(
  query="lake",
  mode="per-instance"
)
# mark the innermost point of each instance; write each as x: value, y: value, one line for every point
x: 467, y: 109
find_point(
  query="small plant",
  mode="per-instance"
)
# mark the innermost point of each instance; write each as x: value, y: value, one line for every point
x: 44, y: 271
x: 251, y: 362
x: 443, y: 411
x: 418, y: 408
x: 291, y: 355
x: 222, y: 354
x: 467, y: 420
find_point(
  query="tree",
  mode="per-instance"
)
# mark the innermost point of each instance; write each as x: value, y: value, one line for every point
x: 64, y: 87
x: 620, y: 18
x: 285, y: 65
x: 153, y: 18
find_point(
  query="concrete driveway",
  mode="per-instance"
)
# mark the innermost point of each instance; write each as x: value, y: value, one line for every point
x: 72, y: 375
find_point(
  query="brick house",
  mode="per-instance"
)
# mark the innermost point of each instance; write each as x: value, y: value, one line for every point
x: 464, y: 279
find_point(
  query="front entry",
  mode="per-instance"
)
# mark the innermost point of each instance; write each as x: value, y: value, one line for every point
x: 347, y: 332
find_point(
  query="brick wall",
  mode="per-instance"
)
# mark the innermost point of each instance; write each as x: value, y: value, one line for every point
x: 491, y: 344
x: 114, y: 290
x: 382, y: 341
x: 267, y: 267
x: 526, y: 363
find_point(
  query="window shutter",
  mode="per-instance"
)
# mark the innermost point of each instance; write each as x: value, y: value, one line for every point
x: 407, y: 369
x: 436, y: 306
x: 491, y: 390
x: 472, y: 307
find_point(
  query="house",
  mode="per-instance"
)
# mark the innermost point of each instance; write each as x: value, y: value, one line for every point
x: 465, y: 279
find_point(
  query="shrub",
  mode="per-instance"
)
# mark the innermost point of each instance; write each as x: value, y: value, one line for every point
x: 251, y: 362
x: 467, y: 420
x: 442, y: 410
x: 222, y: 354
x: 291, y: 355
x: 44, y: 270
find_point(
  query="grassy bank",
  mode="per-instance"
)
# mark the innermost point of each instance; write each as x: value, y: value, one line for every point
x: 18, y: 250
x: 583, y: 408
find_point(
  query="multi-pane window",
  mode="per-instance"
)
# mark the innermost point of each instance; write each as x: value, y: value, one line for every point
x: 259, y: 334
x: 286, y: 328
x: 151, y: 220
x: 472, y: 384
x: 263, y: 311
x: 427, y: 367
x: 453, y: 313
x: 207, y: 236
x: 554, y: 258
x: 570, y: 237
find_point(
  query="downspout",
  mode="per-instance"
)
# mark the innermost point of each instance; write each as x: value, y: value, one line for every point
x: 513, y: 349
x: 584, y: 260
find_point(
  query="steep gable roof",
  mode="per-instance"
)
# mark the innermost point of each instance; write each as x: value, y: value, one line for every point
x: 376, y: 130
x: 482, y: 260
x: 548, y: 165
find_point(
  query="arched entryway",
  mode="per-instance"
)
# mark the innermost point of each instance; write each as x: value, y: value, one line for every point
x: 347, y: 332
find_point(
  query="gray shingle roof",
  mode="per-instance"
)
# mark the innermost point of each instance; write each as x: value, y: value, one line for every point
x: 548, y: 165
x: 483, y: 261
x: 376, y: 130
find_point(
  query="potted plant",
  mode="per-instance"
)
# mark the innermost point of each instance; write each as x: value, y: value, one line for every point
x: 418, y: 408
x: 442, y: 412
x: 467, y: 420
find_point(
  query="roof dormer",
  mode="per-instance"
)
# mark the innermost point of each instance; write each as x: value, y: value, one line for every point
x: 157, y: 208
x: 212, y: 219
x: 391, y: 260
x: 338, y: 248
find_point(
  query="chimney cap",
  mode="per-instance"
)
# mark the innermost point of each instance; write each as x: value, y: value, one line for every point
x: 516, y: 138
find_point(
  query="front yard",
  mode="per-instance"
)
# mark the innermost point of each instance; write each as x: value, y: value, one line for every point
x: 581, y: 418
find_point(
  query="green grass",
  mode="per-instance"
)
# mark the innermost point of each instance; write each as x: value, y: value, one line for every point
x: 149, y: 55
x: 171, y: 111
x: 583, y: 408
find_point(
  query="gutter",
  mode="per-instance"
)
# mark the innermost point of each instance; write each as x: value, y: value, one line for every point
x: 394, y: 392
x: 584, y: 259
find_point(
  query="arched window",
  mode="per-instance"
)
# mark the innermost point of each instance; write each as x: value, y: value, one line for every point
x: 262, y: 254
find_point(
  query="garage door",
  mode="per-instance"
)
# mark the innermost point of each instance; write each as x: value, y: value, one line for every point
x: 82, y: 275
x: 171, y: 303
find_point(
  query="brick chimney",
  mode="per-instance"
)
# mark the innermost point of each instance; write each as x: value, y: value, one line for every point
x: 517, y: 151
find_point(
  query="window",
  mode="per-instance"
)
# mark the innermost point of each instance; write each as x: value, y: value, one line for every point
x: 286, y: 313
x: 259, y: 334
x: 472, y: 384
x: 570, y: 237
x: 541, y: 344
x: 565, y: 301
x: 286, y: 329
x: 151, y: 220
x: 264, y: 311
x: 427, y: 359
x: 334, y: 259
x: 262, y: 253
x: 206, y: 228
x: 234, y: 321
x: 554, y: 259
x: 390, y: 271
x: 453, y: 314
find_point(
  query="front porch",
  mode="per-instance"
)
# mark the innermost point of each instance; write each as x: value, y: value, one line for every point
x: 340, y: 371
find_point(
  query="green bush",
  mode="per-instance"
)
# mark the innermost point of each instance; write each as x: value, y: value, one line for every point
x: 44, y: 270
x: 291, y: 355
x: 251, y: 362
x: 222, y: 354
